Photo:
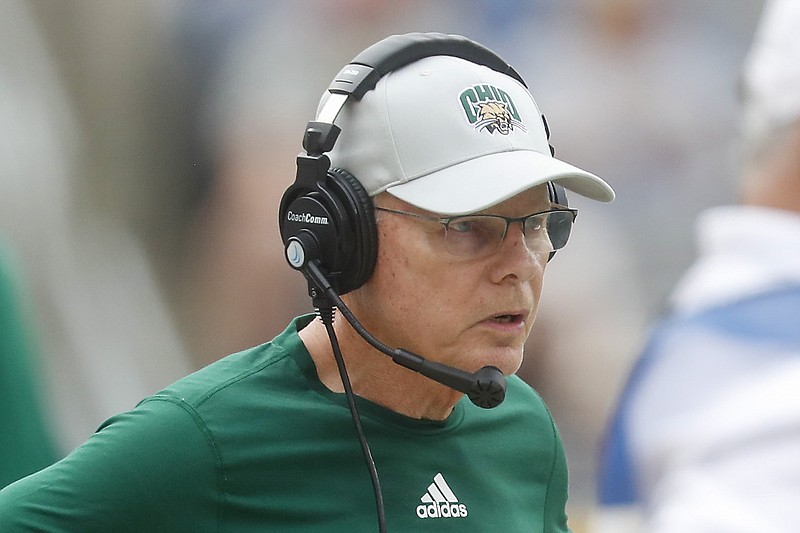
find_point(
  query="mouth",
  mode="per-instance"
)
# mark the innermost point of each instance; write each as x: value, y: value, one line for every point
x: 510, y: 318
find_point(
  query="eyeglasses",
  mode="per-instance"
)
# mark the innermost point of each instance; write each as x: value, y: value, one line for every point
x: 479, y: 235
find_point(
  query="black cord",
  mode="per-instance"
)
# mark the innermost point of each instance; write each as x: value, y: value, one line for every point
x: 326, y: 314
x: 324, y: 295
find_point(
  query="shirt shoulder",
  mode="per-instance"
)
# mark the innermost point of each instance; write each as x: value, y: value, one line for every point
x: 277, y: 364
x: 129, y: 476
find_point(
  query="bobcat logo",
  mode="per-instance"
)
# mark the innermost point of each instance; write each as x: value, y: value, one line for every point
x: 494, y: 116
x: 490, y: 109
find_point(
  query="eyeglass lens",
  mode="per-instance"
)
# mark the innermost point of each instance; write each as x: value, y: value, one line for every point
x: 471, y: 235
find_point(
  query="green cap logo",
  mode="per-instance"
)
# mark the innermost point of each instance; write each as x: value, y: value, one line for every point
x: 490, y: 109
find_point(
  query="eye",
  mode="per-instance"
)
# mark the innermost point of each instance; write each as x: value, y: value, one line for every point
x: 559, y: 226
x: 534, y: 224
x: 462, y: 225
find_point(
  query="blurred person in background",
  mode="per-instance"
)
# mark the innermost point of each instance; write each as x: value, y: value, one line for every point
x: 707, y: 433
x: 73, y: 130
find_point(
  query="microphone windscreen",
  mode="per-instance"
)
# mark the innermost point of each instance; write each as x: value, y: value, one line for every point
x: 489, y: 387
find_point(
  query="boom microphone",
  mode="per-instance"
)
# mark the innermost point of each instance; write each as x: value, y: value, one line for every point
x: 486, y: 388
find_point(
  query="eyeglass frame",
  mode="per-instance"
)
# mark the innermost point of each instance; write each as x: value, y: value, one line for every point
x: 446, y: 221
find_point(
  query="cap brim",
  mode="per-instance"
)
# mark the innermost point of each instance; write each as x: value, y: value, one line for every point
x: 485, y: 181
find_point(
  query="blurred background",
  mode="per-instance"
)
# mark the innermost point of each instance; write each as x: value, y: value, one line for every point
x: 145, y: 147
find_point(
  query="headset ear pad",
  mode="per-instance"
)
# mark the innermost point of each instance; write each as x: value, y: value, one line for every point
x: 358, y: 263
x: 335, y: 220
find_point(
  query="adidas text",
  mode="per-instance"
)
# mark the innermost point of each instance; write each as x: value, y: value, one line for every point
x: 442, y: 510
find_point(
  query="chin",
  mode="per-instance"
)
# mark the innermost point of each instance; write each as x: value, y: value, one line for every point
x: 507, y: 360
x: 510, y: 368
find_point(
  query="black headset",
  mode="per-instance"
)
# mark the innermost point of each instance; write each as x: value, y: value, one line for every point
x: 326, y: 214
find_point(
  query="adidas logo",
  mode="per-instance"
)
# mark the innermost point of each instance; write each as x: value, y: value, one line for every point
x: 440, y: 502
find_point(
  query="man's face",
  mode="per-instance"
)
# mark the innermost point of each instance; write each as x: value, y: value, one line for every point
x: 467, y: 312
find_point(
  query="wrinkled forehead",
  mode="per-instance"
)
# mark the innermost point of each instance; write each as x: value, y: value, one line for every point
x: 529, y: 201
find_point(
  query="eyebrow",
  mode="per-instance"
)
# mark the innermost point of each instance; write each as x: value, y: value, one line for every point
x: 547, y: 204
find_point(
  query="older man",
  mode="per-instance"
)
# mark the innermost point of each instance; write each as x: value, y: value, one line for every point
x: 425, y: 209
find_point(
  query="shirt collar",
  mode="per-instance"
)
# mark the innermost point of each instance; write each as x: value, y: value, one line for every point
x: 743, y: 250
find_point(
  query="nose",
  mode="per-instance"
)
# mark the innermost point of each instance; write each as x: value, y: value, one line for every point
x: 514, y: 260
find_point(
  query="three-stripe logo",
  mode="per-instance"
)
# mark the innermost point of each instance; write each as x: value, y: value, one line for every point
x: 439, y: 501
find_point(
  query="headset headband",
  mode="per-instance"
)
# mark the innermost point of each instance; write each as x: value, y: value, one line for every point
x: 363, y: 72
x: 397, y: 51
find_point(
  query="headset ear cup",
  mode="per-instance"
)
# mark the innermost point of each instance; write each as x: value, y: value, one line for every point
x: 359, y: 264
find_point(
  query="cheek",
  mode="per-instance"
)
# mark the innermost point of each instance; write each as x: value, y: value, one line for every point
x: 536, y: 285
x: 401, y: 276
x: 401, y: 261
x: 408, y: 283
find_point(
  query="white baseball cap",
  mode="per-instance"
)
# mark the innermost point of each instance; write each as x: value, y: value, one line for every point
x: 771, y: 74
x: 452, y: 137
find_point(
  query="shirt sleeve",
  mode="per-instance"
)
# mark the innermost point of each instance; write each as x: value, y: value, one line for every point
x: 151, y: 469
x: 26, y: 444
